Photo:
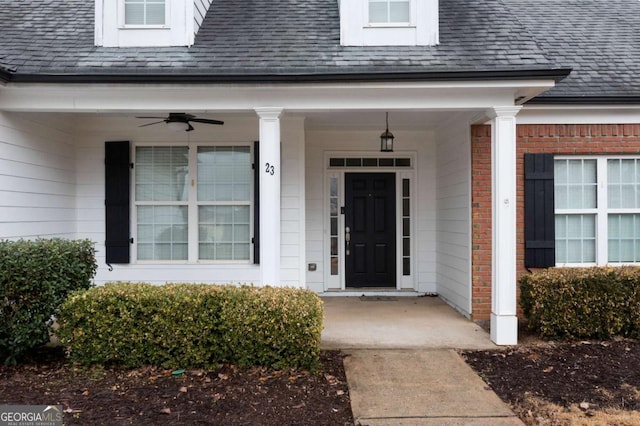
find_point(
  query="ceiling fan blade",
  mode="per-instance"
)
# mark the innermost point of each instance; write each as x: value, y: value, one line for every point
x: 153, y: 117
x: 151, y: 124
x: 190, y: 128
x: 207, y: 121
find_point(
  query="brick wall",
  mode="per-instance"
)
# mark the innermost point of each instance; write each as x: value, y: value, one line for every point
x: 561, y: 139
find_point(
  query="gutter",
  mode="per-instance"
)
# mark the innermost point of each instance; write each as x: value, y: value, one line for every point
x: 585, y: 100
x: 556, y: 74
x: 5, y: 75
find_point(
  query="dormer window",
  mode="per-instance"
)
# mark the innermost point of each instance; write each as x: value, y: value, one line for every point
x: 388, y: 22
x: 148, y: 23
x: 144, y: 12
x: 389, y: 12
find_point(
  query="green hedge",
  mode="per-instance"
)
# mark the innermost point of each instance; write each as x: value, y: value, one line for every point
x: 598, y: 302
x: 192, y: 325
x: 35, y: 278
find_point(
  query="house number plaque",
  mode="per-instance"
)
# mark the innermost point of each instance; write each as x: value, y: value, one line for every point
x: 270, y: 169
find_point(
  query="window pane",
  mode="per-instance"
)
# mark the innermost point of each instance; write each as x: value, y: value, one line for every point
x: 161, y: 173
x: 575, y: 238
x: 162, y: 232
x: 224, y: 174
x: 623, y: 183
x: 399, y: 11
x: 378, y: 12
x: 134, y: 14
x: 224, y: 232
x: 144, y: 12
x: 155, y: 14
x: 575, y: 184
x: 624, y: 237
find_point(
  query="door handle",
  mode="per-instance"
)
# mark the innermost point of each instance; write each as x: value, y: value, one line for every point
x: 347, y: 240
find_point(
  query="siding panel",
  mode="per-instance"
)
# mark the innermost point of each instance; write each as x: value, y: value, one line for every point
x: 37, y: 176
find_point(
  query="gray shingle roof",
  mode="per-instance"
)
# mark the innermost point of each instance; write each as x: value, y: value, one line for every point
x: 262, y: 37
x: 45, y: 38
x: 599, y: 39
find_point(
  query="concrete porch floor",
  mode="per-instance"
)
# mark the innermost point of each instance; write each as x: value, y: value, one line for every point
x: 398, y: 323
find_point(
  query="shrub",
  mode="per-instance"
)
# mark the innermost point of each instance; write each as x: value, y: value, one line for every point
x: 35, y: 278
x: 192, y: 325
x: 598, y: 302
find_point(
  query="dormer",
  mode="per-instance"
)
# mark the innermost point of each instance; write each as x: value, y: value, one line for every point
x: 388, y: 22
x: 148, y: 23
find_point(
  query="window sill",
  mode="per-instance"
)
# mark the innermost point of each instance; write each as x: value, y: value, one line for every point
x: 144, y: 27
x: 388, y: 25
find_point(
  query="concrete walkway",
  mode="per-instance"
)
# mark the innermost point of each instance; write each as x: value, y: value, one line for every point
x: 402, y: 367
x: 398, y: 323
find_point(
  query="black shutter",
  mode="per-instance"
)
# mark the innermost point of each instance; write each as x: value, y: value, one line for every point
x: 117, y: 187
x: 256, y: 203
x: 539, y: 217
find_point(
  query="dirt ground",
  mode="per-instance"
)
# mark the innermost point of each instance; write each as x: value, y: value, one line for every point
x: 579, y: 383
x: 152, y: 396
x: 546, y: 383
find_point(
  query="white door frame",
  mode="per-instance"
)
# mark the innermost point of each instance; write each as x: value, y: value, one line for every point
x: 338, y: 282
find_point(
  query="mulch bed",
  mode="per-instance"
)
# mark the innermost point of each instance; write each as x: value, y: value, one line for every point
x: 600, y: 374
x: 150, y: 395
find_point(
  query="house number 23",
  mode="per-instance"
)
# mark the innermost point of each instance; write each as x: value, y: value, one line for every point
x: 270, y: 169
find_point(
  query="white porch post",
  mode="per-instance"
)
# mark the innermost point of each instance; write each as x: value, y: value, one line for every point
x: 269, y: 169
x: 504, y: 323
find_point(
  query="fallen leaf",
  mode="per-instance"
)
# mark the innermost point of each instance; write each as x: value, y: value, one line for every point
x: 183, y: 389
x: 548, y: 369
x: 166, y: 410
x: 584, y: 405
x: 340, y: 392
x: 298, y: 406
x: 85, y: 393
x: 71, y: 410
x: 223, y: 376
x: 331, y: 379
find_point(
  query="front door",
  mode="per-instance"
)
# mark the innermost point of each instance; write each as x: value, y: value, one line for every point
x: 370, y: 229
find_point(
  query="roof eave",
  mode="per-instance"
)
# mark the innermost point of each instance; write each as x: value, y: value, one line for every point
x: 585, y: 100
x: 556, y: 74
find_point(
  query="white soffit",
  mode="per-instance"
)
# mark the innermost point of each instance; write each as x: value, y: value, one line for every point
x: 464, y: 95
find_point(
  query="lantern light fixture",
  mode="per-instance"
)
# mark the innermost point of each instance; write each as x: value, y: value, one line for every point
x: 386, y: 138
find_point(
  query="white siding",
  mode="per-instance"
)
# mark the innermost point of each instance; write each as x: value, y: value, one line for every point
x: 454, y: 203
x: 200, y: 8
x: 321, y: 141
x: 238, y: 129
x: 37, y: 176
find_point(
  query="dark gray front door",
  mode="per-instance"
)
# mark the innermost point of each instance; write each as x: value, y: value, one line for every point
x: 370, y: 228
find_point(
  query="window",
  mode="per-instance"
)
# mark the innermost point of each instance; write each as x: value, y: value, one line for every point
x: 389, y: 11
x: 597, y: 210
x: 144, y: 12
x: 180, y: 218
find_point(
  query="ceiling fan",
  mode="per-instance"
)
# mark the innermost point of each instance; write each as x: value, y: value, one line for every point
x: 181, y: 121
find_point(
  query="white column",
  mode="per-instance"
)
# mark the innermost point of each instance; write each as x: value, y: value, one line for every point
x: 504, y: 323
x: 269, y: 169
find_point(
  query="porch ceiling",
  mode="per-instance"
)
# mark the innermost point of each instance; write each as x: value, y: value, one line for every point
x: 398, y: 119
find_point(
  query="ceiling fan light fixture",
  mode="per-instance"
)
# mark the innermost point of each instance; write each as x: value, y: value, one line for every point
x: 178, y: 126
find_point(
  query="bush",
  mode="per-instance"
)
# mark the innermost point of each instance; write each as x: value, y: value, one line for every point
x: 35, y: 278
x: 192, y: 325
x: 598, y: 302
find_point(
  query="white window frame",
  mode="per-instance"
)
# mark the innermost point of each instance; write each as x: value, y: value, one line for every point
x: 192, y: 204
x: 410, y: 23
x: 122, y: 18
x: 602, y: 211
